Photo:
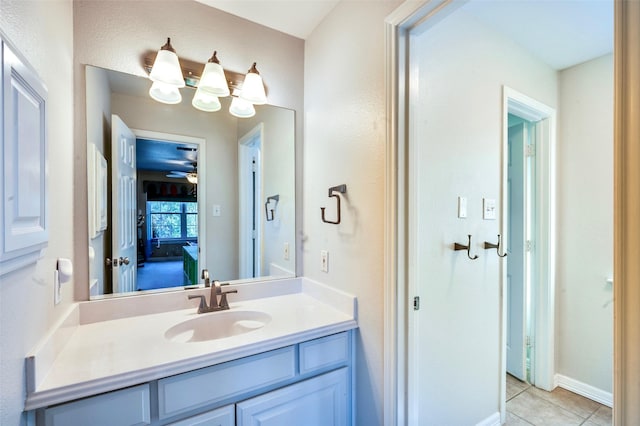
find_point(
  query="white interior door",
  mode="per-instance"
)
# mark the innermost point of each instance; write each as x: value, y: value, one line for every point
x: 516, y: 279
x: 123, y: 206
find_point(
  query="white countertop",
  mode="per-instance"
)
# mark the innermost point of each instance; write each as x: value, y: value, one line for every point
x: 112, y: 354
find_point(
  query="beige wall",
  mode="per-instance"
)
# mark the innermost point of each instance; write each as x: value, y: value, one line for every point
x: 42, y: 32
x: 345, y: 130
x: 584, y: 309
x: 117, y: 34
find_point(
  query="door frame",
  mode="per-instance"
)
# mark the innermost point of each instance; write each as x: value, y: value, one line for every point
x: 246, y: 145
x: 202, y: 181
x: 543, y: 279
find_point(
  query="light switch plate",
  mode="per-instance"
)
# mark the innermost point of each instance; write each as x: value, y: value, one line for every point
x: 462, y: 207
x: 285, y: 251
x: 488, y: 209
x: 216, y: 210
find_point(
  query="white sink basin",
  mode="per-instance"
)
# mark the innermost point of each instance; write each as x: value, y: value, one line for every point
x: 217, y: 325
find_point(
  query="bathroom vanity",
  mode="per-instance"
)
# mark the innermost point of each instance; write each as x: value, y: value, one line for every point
x: 272, y: 359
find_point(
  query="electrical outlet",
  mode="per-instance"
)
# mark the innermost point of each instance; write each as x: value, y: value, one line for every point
x: 285, y: 252
x: 324, y: 261
x: 488, y: 209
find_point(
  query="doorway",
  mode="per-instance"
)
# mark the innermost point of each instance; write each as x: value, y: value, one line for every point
x: 171, y: 200
x: 527, y: 193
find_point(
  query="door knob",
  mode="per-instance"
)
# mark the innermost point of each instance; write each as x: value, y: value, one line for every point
x: 124, y: 260
x: 110, y: 262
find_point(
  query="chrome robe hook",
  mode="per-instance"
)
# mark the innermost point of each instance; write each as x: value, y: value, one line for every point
x: 341, y: 189
x: 488, y: 245
x: 458, y: 246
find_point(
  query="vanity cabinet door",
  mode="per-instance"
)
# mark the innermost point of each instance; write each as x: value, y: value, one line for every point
x: 321, y: 401
x: 223, y: 416
x: 125, y: 407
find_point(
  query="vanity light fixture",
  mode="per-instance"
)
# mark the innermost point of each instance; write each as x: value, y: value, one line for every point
x: 165, y: 93
x: 205, y: 101
x: 241, y: 108
x: 253, y: 88
x: 213, y: 83
x: 213, y: 80
x: 166, y: 68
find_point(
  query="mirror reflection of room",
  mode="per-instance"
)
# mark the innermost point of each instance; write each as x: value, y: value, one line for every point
x: 202, y: 180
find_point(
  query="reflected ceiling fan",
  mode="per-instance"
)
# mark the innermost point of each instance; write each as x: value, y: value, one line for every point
x: 191, y: 176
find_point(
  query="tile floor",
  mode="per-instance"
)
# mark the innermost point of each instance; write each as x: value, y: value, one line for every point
x: 527, y: 405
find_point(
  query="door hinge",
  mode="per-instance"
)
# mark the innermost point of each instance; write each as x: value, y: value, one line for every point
x: 527, y: 341
x: 528, y: 246
x: 531, y: 150
x: 416, y: 303
x: 254, y: 234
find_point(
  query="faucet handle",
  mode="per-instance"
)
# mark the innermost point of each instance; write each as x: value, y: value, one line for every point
x: 202, y: 307
x: 224, y: 304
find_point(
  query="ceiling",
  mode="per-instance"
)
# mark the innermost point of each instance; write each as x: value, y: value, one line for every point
x: 294, y: 17
x: 562, y: 33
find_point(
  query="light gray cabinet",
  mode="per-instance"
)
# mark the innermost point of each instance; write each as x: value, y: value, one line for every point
x: 123, y: 407
x: 320, y: 401
x: 310, y: 382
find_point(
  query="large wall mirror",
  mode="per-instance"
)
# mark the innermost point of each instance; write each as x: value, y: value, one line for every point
x: 173, y: 190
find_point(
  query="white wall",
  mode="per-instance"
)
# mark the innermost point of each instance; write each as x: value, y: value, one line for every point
x: 42, y: 32
x: 117, y: 35
x: 584, y: 312
x: 278, y: 152
x: 459, y: 70
x: 345, y: 127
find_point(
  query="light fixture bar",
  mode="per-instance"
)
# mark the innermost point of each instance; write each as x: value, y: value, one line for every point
x: 191, y: 72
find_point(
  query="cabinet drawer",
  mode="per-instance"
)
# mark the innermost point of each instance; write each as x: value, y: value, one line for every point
x: 223, y: 416
x: 124, y: 407
x: 195, y: 389
x: 323, y: 353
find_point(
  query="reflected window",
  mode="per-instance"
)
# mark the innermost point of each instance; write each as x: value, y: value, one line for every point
x: 172, y: 220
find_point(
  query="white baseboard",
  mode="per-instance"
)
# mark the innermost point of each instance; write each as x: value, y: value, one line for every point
x: 492, y: 420
x: 588, y: 391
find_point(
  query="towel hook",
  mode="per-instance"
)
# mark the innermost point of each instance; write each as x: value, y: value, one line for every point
x: 276, y: 198
x: 341, y: 189
x: 488, y: 245
x: 458, y: 246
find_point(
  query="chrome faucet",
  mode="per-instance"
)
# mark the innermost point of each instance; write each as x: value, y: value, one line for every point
x: 216, y: 290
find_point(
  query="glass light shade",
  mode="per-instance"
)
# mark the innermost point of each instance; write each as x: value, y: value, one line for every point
x: 165, y: 93
x: 253, y: 89
x: 241, y: 108
x: 205, y: 101
x: 166, y: 69
x: 192, y: 177
x: 213, y: 80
